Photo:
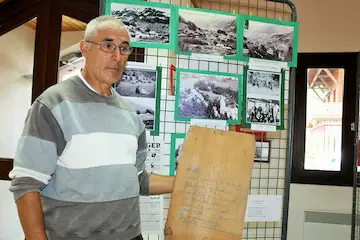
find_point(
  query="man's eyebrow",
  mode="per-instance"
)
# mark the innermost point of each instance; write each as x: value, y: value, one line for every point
x: 111, y: 40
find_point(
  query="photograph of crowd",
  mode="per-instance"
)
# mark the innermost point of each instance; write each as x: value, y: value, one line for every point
x: 263, y: 111
x: 263, y: 83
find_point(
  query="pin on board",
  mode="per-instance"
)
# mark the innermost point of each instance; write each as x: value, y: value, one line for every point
x: 212, y: 185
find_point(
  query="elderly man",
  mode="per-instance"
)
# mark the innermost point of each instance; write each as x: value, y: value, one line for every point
x: 79, y: 167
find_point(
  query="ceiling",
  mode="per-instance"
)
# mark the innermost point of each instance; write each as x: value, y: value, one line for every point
x: 68, y: 24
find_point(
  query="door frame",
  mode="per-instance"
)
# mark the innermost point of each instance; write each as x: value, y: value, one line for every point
x: 347, y: 61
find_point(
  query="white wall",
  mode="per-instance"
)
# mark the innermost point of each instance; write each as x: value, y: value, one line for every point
x: 10, y: 227
x: 328, y: 199
x: 16, y: 61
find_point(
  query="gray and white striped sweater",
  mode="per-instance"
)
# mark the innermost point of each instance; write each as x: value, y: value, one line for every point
x: 85, y: 153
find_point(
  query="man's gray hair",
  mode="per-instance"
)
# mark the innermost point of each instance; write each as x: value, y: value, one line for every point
x: 103, y: 22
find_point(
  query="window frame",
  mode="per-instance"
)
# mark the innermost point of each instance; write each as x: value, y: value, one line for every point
x: 344, y: 177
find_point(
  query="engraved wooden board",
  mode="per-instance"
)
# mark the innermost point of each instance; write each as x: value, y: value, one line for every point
x: 211, y: 186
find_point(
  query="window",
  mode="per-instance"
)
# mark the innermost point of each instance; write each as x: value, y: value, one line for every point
x: 325, y: 97
x: 16, y: 74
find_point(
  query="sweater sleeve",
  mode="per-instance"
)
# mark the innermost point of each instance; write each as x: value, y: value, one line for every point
x: 141, y: 155
x: 37, y: 151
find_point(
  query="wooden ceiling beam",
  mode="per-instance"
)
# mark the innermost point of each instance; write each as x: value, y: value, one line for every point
x: 194, y: 3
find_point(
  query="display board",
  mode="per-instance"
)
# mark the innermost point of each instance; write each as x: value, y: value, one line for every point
x: 181, y: 39
x: 211, y: 186
x: 193, y: 31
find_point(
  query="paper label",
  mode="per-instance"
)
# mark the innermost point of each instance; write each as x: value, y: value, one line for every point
x: 261, y: 64
x: 209, y: 123
x: 206, y: 57
x: 151, y: 214
x: 263, y: 208
x: 263, y: 128
x: 154, y: 161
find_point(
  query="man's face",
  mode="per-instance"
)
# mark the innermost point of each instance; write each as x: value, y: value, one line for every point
x: 104, y: 66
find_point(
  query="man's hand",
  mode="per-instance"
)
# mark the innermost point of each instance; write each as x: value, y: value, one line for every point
x: 31, y: 216
x: 159, y: 184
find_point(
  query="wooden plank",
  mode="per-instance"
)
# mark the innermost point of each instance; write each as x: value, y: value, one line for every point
x: 211, y: 186
x: 41, y: 61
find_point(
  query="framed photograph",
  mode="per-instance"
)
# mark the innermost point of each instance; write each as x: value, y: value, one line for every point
x: 263, y: 98
x: 149, y: 23
x: 198, y: 33
x: 208, y: 95
x: 177, y: 140
x: 140, y: 86
x: 270, y: 39
x: 263, y: 83
x: 262, y: 152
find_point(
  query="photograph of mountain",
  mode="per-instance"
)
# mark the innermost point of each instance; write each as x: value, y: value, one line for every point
x: 263, y: 111
x: 206, y: 33
x: 138, y: 87
x: 208, y: 96
x: 263, y: 83
x: 268, y: 41
x: 146, y: 24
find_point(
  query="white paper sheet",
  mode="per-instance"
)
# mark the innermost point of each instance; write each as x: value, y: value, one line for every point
x: 154, y: 161
x: 263, y: 127
x: 209, y: 123
x: 206, y: 57
x: 151, y: 214
x: 263, y: 208
x: 151, y: 207
x: 255, y: 63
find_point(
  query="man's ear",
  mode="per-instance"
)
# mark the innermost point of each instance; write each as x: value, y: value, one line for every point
x: 84, y: 48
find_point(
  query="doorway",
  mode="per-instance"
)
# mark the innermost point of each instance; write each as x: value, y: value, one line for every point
x: 325, y: 107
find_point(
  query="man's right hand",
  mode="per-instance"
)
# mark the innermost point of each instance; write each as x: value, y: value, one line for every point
x: 31, y: 216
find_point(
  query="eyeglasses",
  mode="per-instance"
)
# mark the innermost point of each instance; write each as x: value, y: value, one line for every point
x: 111, y: 47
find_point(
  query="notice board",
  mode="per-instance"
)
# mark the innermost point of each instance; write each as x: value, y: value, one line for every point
x: 211, y: 186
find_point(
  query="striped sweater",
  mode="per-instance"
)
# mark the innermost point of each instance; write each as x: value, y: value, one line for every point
x: 85, y: 153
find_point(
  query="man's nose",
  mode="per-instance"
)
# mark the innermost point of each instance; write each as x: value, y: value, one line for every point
x: 116, y: 55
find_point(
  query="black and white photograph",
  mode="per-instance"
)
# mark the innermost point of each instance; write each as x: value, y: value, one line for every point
x: 138, y: 87
x: 71, y: 62
x: 268, y: 41
x: 263, y: 111
x: 177, y: 141
x: 207, y: 96
x: 262, y: 152
x: 263, y: 83
x: 146, y: 24
x: 178, y: 146
x: 207, y: 33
